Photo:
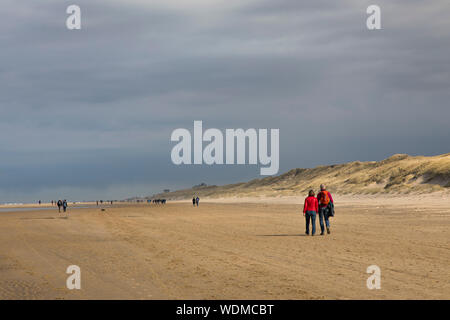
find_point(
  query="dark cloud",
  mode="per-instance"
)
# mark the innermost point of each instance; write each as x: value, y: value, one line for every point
x: 90, y: 112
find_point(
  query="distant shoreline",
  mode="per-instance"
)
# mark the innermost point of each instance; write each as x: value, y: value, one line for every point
x: 416, y: 201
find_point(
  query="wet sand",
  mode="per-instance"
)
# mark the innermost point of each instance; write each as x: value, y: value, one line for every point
x: 227, y: 251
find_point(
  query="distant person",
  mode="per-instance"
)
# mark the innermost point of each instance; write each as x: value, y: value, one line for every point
x: 52, y: 202
x: 59, y: 203
x: 64, y: 204
x: 325, y: 206
x: 39, y: 201
x: 97, y: 202
x: 197, y: 200
x: 310, y: 209
x: 193, y: 201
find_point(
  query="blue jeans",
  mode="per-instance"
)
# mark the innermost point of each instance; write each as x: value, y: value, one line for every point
x: 323, y: 215
x: 310, y: 215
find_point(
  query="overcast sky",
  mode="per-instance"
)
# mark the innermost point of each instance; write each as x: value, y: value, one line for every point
x: 88, y: 114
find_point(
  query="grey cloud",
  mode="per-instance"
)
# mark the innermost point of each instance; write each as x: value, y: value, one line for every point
x: 106, y: 98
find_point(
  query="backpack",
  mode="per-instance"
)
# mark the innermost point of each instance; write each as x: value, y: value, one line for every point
x: 324, y: 198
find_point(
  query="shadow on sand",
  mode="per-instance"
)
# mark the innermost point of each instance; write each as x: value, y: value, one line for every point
x: 45, y: 218
x: 282, y: 235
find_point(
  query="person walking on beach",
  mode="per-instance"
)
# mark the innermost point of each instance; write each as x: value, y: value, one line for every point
x: 310, y: 209
x: 64, y: 204
x: 59, y: 203
x: 325, y: 202
x: 193, y: 201
x: 197, y: 200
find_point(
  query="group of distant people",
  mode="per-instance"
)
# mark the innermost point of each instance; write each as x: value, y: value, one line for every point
x: 101, y: 202
x: 195, y: 201
x: 323, y: 205
x: 60, y: 203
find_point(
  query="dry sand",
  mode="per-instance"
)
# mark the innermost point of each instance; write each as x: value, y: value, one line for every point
x: 224, y: 250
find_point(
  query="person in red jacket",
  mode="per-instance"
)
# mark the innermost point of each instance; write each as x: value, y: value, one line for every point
x: 324, y: 197
x: 310, y: 209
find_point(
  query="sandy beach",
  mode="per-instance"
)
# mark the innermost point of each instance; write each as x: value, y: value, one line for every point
x: 228, y: 250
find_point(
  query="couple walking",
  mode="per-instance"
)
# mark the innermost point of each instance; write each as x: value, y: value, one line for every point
x: 62, y: 204
x: 323, y: 205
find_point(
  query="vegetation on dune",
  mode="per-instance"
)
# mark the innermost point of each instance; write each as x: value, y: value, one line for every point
x: 399, y: 173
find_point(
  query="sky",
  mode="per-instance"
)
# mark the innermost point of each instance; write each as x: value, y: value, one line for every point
x: 88, y: 114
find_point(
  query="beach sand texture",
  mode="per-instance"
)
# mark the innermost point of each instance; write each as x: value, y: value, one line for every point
x: 228, y: 251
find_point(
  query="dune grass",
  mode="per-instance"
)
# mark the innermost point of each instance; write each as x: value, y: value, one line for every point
x: 399, y: 174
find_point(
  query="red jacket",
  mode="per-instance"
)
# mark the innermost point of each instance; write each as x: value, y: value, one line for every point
x: 311, y: 204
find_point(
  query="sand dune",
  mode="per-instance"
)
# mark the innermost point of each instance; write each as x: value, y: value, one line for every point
x: 399, y: 174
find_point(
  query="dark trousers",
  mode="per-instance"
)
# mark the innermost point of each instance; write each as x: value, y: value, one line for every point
x: 323, y: 215
x: 310, y: 215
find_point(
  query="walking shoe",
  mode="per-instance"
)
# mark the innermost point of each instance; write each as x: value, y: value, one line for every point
x: 328, y: 230
x: 321, y: 233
